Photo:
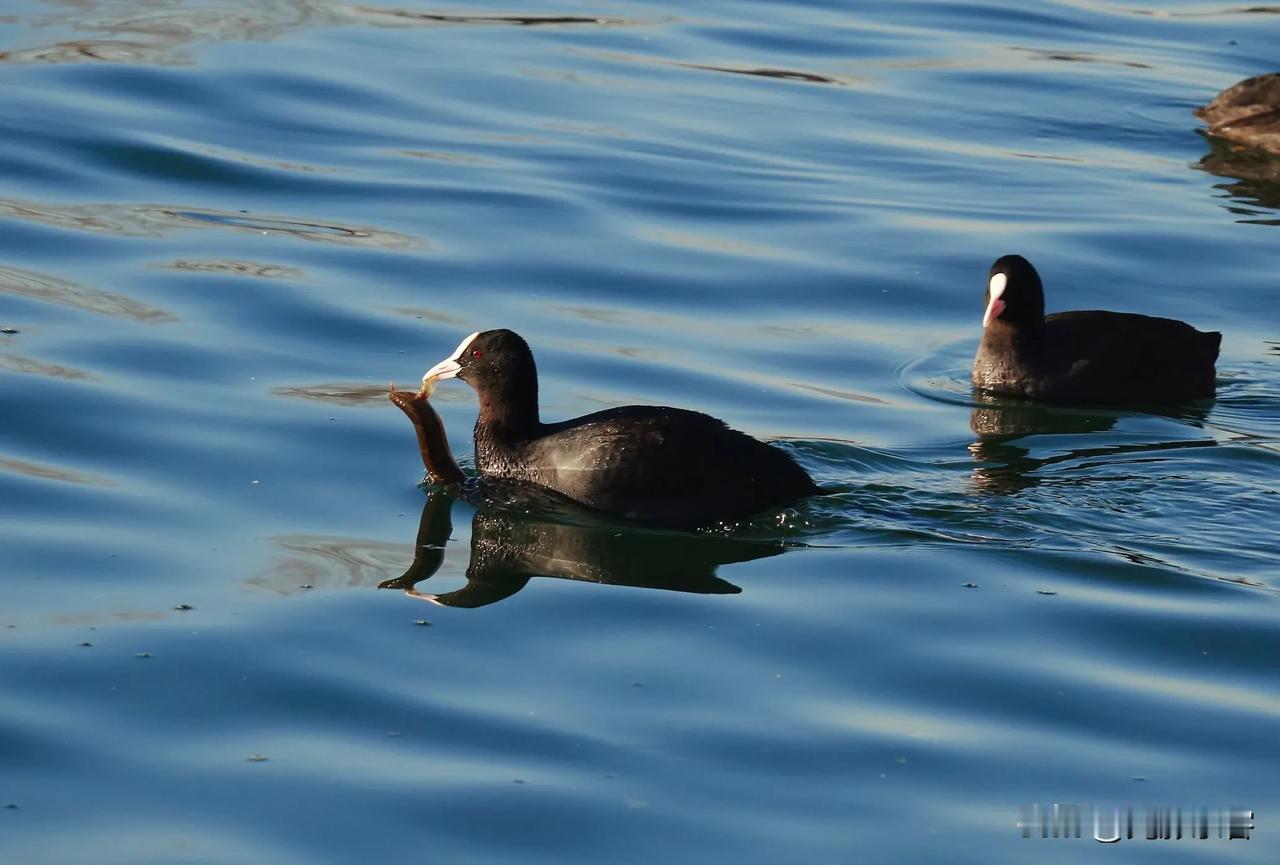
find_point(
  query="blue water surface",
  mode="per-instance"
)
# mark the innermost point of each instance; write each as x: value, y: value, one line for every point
x: 225, y: 226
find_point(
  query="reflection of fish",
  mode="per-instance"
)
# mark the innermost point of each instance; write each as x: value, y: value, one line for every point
x: 508, y: 549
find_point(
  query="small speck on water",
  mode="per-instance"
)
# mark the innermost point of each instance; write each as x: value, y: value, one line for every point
x: 306, y: 586
x: 970, y: 585
x: 517, y: 780
x: 1139, y: 778
x: 1045, y: 592
x: 12, y: 806
x: 421, y: 622
x: 257, y: 758
x: 183, y: 607
x: 143, y: 655
x: 251, y: 483
x: 8, y: 330
x: 85, y: 644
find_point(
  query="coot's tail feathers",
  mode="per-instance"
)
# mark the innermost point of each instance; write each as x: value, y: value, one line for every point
x: 1195, y: 367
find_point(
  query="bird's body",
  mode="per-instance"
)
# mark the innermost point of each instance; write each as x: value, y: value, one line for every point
x: 653, y: 464
x: 1087, y: 356
x: 1247, y: 113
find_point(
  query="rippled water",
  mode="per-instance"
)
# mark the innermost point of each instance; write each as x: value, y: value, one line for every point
x: 226, y: 226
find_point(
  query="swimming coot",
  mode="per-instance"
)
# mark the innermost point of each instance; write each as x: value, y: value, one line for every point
x: 1247, y: 113
x: 1084, y: 357
x: 663, y: 466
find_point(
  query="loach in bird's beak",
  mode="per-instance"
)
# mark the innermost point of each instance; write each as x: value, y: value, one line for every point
x: 447, y: 368
x: 995, y: 305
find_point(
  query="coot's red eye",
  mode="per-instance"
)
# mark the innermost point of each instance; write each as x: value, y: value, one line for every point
x: 476, y: 353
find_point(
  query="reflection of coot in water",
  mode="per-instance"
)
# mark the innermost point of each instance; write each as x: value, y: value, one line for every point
x: 1247, y: 113
x: 1003, y: 463
x: 1003, y: 466
x: 1008, y: 418
x: 508, y: 549
x: 1085, y: 357
x: 657, y: 465
x: 1257, y: 174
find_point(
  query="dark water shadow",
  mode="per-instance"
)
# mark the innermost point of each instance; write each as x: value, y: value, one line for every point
x: 1003, y: 462
x: 510, y: 546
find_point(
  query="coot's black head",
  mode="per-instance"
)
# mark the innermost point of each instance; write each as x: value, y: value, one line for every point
x: 1014, y: 293
x: 486, y: 359
x: 499, y: 366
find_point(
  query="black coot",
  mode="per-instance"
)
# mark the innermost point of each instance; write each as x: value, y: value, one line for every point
x: 658, y: 465
x: 1084, y: 357
x: 1247, y: 113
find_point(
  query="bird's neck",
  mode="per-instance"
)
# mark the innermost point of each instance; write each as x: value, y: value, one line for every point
x: 1020, y: 340
x: 508, y: 416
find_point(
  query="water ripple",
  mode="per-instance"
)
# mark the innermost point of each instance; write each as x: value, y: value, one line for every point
x: 159, y: 220
x: 235, y: 268
x: 50, y: 289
